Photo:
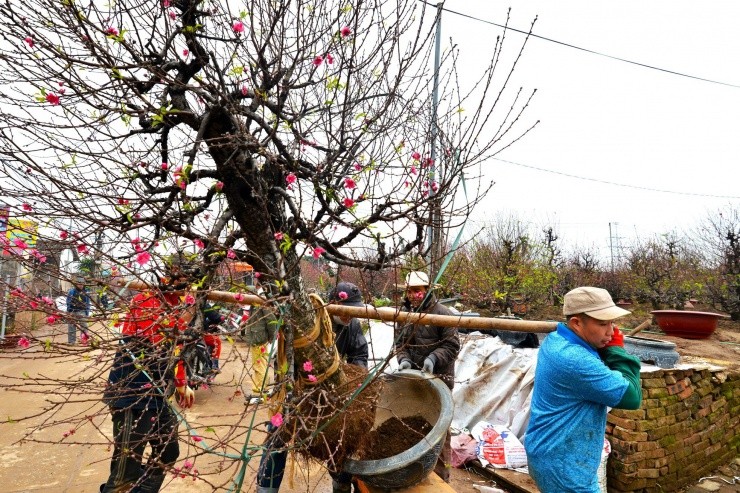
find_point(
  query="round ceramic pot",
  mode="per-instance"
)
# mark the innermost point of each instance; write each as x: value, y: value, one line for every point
x: 658, y: 353
x: 408, y: 393
x: 687, y: 324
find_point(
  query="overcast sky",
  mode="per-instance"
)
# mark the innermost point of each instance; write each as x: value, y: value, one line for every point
x: 608, y: 120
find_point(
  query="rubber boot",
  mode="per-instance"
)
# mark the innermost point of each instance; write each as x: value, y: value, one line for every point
x: 266, y: 489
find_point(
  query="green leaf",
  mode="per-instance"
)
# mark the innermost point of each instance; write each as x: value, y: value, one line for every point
x: 192, y: 29
x: 210, y: 430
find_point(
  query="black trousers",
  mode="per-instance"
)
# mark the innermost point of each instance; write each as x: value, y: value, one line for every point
x: 133, y: 429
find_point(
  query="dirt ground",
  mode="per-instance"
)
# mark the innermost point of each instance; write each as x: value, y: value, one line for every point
x: 40, y: 455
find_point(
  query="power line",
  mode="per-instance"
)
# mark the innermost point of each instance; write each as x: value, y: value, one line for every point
x: 624, y: 185
x: 587, y: 50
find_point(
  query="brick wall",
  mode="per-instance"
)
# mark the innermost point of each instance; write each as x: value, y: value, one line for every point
x: 687, y: 426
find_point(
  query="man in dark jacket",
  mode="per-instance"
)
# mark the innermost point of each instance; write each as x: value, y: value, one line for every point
x: 352, y: 347
x: 350, y: 341
x: 429, y: 348
x: 141, y: 379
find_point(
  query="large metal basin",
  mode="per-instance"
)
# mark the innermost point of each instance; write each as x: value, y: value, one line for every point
x: 408, y: 393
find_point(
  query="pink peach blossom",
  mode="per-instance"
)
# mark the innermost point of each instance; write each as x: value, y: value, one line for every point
x: 277, y: 420
x: 317, y: 251
x: 345, y: 31
x: 143, y: 258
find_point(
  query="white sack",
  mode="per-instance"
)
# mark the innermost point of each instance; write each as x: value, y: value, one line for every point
x: 493, y: 383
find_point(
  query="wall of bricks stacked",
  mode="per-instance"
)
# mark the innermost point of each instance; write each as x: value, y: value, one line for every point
x: 687, y: 426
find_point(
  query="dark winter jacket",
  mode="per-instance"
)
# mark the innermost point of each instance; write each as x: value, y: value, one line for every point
x: 128, y: 383
x: 78, y: 300
x: 145, y: 368
x: 416, y: 342
x: 351, y: 342
x: 212, y: 319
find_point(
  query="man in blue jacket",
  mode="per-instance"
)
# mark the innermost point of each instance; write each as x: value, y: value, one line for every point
x: 581, y: 369
x: 78, y: 307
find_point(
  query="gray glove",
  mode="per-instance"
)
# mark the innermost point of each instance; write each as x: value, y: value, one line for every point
x: 428, y: 366
x: 404, y: 365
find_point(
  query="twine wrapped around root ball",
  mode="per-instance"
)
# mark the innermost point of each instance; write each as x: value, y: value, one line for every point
x: 329, y: 418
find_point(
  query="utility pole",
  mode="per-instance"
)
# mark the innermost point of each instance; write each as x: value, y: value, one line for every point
x: 433, y: 229
x: 615, y: 247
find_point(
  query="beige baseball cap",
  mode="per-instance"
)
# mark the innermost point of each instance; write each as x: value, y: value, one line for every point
x: 594, y: 302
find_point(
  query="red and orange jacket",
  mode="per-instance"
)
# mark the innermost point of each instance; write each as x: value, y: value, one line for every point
x: 142, y: 373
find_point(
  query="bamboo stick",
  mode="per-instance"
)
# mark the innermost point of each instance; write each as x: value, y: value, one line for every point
x: 385, y: 314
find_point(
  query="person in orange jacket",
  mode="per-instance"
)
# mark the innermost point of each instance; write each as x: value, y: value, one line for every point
x: 145, y: 370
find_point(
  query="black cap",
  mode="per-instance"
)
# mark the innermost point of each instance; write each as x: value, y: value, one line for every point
x: 353, y: 298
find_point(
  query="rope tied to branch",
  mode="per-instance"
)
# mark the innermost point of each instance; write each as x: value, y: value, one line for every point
x: 321, y: 328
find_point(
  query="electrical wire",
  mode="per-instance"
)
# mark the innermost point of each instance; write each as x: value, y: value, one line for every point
x: 624, y: 185
x: 587, y: 50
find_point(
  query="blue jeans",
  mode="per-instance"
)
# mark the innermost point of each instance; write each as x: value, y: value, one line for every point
x: 77, y: 319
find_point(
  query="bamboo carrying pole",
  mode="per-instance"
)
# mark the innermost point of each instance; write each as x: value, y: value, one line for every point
x: 385, y: 314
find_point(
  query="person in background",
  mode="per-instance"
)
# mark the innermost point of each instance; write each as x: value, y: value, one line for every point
x: 352, y: 347
x: 261, y: 329
x: 350, y: 341
x: 430, y: 348
x: 78, y: 307
x: 581, y: 369
x: 139, y: 384
x: 212, y: 320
